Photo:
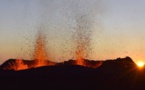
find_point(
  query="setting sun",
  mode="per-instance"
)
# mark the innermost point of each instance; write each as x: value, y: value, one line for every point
x: 140, y: 64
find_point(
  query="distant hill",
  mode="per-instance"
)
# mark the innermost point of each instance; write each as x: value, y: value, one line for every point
x: 117, y: 74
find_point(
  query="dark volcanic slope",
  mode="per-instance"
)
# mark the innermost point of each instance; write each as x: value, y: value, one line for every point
x: 119, y: 74
x: 13, y: 64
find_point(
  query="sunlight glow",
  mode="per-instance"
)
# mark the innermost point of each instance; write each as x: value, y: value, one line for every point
x: 140, y: 64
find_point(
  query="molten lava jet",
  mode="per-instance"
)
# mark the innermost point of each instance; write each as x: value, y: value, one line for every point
x: 40, y: 54
x: 82, y: 39
x: 79, y: 54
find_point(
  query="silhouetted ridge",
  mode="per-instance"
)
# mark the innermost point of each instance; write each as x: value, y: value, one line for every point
x: 117, y: 66
x: 7, y: 63
x: 119, y: 63
x: 117, y: 74
x: 87, y: 63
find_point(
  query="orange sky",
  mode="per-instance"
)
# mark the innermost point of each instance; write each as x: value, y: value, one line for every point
x: 117, y: 28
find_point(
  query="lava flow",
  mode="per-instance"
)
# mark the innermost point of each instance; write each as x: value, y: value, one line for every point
x: 17, y: 65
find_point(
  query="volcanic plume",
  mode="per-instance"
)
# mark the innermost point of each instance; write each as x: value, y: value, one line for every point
x: 82, y: 39
x: 84, y: 26
x: 81, y: 18
x: 40, y: 54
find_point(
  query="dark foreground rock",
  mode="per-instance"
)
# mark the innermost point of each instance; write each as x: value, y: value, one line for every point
x: 118, y: 74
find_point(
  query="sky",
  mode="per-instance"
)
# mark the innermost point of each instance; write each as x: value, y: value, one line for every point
x: 116, y: 26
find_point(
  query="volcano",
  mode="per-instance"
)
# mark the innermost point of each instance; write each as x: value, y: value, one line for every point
x: 117, y: 74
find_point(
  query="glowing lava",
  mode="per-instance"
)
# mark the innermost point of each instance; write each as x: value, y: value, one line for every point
x: 79, y: 56
x: 80, y: 53
x: 40, y: 54
x: 17, y: 65
x: 20, y: 65
x: 82, y: 39
x: 80, y: 49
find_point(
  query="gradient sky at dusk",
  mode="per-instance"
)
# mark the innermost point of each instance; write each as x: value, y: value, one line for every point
x: 118, y: 28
